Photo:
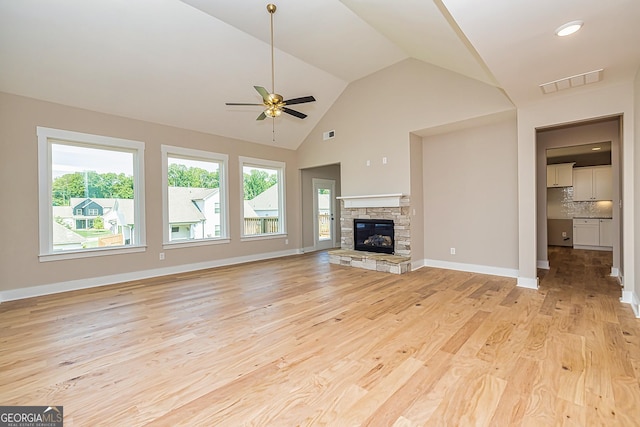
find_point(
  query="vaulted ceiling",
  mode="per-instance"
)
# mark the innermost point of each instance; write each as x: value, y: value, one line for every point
x: 178, y: 62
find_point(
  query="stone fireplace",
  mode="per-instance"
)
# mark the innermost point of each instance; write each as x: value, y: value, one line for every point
x: 379, y: 209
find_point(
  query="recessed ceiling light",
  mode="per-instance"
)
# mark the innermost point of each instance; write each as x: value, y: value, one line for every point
x: 569, y: 28
x: 595, y: 149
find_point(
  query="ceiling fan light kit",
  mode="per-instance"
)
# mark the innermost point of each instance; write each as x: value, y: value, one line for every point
x: 273, y: 102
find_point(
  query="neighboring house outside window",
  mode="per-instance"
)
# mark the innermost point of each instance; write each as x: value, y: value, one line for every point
x: 79, y: 168
x: 264, y: 197
x: 194, y: 196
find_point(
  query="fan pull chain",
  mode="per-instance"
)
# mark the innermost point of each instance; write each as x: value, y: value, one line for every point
x: 273, y: 127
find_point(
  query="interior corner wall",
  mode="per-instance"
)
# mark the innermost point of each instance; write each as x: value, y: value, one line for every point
x: 470, y: 197
x: 373, y: 117
x: 19, y: 263
x: 577, y: 105
x: 417, y: 201
x: 306, y: 186
x: 636, y: 165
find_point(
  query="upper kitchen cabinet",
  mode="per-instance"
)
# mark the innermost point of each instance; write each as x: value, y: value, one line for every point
x: 560, y: 175
x: 592, y: 184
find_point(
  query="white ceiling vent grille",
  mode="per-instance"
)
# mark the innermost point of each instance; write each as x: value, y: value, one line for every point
x: 573, y: 81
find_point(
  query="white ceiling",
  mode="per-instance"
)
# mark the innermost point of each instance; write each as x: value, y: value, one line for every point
x: 178, y: 62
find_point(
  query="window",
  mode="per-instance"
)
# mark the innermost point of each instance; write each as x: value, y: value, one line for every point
x: 194, y: 196
x: 263, y: 194
x: 80, y: 171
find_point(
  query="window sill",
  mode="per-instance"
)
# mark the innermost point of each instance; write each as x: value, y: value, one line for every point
x: 263, y: 237
x: 88, y: 253
x: 191, y: 243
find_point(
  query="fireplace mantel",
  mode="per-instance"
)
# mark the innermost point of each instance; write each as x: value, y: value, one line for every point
x: 372, y: 201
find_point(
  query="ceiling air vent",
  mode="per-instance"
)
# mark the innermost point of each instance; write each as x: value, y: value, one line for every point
x: 573, y: 81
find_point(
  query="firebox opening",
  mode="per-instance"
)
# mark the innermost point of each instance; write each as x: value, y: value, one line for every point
x: 373, y: 235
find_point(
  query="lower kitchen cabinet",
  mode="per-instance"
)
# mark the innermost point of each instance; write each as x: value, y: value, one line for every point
x: 606, y: 232
x: 586, y: 232
x: 594, y: 232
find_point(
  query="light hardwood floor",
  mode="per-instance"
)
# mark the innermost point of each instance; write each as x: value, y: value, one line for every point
x: 297, y: 341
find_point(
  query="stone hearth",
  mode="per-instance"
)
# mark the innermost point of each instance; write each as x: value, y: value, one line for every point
x: 395, y: 207
x: 371, y: 261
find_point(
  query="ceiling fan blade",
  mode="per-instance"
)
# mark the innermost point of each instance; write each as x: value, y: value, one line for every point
x: 262, y: 116
x: 294, y: 113
x: 237, y: 103
x: 300, y: 100
x: 263, y: 92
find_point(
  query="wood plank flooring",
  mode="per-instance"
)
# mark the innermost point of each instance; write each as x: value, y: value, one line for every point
x: 297, y: 341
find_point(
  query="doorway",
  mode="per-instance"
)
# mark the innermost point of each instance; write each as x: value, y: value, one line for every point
x: 580, y: 156
x: 324, y: 213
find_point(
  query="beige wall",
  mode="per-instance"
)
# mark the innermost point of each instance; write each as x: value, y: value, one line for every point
x: 19, y: 263
x: 374, y: 116
x: 579, y: 134
x: 306, y: 176
x: 577, y: 105
x: 470, y: 196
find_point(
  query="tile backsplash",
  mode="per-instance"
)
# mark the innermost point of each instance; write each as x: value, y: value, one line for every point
x: 560, y: 205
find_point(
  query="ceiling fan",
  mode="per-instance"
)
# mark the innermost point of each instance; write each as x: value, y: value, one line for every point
x: 275, y: 104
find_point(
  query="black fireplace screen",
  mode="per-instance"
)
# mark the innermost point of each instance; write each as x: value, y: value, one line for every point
x: 373, y: 235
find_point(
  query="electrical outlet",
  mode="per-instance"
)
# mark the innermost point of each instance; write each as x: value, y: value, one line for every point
x: 286, y: 241
x: 453, y: 251
x: 384, y: 160
x: 161, y: 256
x: 564, y: 234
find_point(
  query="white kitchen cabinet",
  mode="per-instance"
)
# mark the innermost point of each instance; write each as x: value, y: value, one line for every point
x: 606, y: 232
x: 592, y: 183
x: 560, y: 175
x: 586, y: 232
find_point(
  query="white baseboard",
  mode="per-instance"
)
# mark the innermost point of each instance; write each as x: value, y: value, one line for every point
x: 543, y: 264
x: 72, y: 285
x: 528, y: 282
x: 594, y: 248
x: 630, y: 297
x: 473, y: 268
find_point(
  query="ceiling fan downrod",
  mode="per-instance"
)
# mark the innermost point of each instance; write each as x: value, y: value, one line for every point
x: 271, y: 8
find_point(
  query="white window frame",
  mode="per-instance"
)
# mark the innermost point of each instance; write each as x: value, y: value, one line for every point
x: 282, y: 220
x: 48, y: 136
x: 201, y: 155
